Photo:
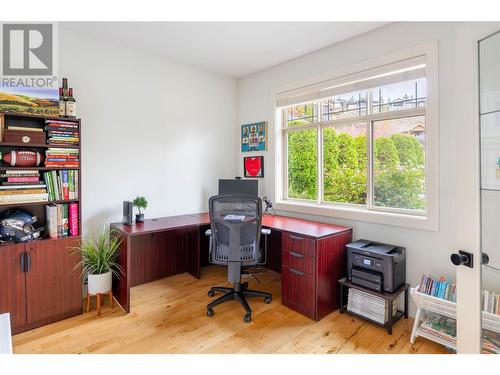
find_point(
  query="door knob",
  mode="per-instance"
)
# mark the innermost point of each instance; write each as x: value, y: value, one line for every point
x: 463, y: 258
x: 485, y: 258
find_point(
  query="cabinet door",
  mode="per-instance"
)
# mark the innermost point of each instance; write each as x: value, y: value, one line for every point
x: 53, y: 286
x: 12, y: 286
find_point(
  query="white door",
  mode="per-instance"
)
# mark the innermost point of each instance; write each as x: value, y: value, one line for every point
x: 478, y: 186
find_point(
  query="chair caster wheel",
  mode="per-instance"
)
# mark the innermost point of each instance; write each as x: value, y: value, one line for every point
x: 268, y: 300
x: 211, y: 293
x: 247, y: 318
x: 210, y: 312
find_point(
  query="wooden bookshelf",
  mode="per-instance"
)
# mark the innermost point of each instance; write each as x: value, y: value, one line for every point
x: 49, y: 289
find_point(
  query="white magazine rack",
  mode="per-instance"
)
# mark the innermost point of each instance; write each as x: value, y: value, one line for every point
x: 446, y: 308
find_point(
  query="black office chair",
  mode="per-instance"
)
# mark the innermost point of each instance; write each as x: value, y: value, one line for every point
x: 235, y: 222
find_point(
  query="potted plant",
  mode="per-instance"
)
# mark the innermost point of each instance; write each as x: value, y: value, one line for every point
x: 141, y: 203
x: 99, y: 261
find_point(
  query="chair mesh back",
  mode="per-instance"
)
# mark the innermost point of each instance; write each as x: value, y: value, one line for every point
x: 236, y: 223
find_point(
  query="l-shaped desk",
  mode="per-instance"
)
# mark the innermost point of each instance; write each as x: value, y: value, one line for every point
x: 310, y: 256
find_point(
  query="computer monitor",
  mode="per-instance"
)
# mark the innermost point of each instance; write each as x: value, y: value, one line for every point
x: 250, y: 187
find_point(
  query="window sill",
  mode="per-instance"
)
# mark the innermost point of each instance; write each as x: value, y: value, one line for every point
x: 360, y: 214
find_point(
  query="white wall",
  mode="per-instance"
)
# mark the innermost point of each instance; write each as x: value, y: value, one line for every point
x: 149, y: 127
x: 427, y: 251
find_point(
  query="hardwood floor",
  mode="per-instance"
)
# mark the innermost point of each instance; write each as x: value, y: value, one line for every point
x: 169, y: 316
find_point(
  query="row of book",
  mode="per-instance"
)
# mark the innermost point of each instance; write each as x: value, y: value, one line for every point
x: 62, y: 220
x: 22, y: 186
x: 439, y: 288
x: 491, y: 302
x: 62, y: 133
x: 370, y: 306
x: 61, y: 185
x: 62, y: 157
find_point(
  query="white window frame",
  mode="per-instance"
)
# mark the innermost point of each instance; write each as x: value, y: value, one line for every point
x: 428, y: 219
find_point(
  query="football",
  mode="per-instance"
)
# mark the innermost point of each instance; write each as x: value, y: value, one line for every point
x: 23, y: 158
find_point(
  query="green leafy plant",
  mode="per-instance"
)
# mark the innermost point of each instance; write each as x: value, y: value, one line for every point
x: 398, y: 160
x: 140, y: 203
x: 100, y: 255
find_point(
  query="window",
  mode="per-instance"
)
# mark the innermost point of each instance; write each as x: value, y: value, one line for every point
x: 358, y: 142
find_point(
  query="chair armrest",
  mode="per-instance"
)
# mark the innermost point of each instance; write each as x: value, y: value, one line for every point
x: 208, y: 232
x: 265, y: 231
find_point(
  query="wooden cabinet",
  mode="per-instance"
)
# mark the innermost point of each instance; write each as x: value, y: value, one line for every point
x: 13, y: 285
x: 40, y: 282
x: 53, y: 286
x: 311, y: 268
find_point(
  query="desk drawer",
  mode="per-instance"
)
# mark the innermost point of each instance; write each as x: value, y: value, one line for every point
x: 298, y: 244
x: 298, y: 291
x: 298, y: 261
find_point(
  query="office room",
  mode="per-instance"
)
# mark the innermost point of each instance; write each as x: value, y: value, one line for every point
x: 211, y: 181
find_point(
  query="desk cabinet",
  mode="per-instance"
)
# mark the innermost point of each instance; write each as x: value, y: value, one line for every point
x: 310, y: 270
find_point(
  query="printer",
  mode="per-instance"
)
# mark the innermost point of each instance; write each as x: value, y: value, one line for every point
x: 376, y: 266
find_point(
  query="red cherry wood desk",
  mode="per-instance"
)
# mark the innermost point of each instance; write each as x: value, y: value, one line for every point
x: 310, y: 256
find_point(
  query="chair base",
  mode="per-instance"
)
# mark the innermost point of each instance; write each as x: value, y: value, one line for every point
x: 240, y: 292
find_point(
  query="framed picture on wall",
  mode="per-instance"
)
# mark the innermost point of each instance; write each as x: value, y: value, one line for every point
x: 253, y: 166
x: 254, y: 137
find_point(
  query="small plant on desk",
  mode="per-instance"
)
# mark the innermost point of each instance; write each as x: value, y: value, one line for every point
x: 141, y: 203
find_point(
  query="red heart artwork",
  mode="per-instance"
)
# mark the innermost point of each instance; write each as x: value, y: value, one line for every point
x: 254, y: 166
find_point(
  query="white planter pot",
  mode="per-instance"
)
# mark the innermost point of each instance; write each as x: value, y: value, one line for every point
x: 99, y: 283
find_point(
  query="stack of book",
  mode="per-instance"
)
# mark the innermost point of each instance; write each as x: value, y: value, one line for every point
x: 490, y: 342
x: 62, y: 157
x: 439, y: 288
x: 62, y: 220
x: 440, y: 326
x: 491, y: 302
x: 62, y: 185
x: 22, y: 186
x: 370, y: 306
x: 62, y: 133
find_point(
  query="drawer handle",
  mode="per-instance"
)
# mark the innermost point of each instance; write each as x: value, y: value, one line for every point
x: 296, y: 237
x: 296, y: 255
x: 296, y: 272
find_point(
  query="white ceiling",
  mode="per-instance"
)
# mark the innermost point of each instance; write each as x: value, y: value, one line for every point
x: 233, y: 49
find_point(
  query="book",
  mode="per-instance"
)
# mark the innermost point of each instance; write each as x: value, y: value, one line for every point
x: 71, y: 183
x: 61, y: 123
x: 20, y: 187
x: 73, y: 219
x: 64, y: 179
x: 22, y: 179
x: 24, y: 172
x: 15, y: 184
x: 59, y: 220
x: 22, y: 192
x: 65, y: 223
x: 76, y: 184
x: 25, y: 198
x: 51, y: 217
x: 57, y: 194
